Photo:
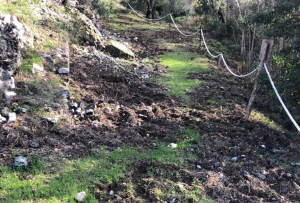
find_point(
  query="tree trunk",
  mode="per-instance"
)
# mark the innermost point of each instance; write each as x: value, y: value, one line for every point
x: 150, y: 9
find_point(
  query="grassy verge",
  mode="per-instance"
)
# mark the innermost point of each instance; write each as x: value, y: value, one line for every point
x: 260, y: 117
x: 60, y: 179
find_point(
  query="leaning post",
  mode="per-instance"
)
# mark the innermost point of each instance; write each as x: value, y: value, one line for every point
x: 265, y: 55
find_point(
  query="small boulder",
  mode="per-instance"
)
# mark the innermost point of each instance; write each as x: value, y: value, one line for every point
x: 111, y: 193
x: 37, y: 67
x: 172, y: 145
x: 50, y: 120
x: 20, y: 161
x: 73, y: 105
x: 80, y: 197
x: 12, y: 117
x: 66, y: 94
x: 118, y: 49
x: 9, y: 94
x: 2, y: 119
x: 65, y: 71
x: 89, y: 112
x: 5, y: 111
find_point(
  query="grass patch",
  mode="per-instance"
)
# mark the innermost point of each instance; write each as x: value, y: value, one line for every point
x: 181, y: 63
x: 29, y: 57
x: 38, y: 183
x: 191, y: 137
x: 260, y: 117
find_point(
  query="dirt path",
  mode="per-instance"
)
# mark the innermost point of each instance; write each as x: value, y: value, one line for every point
x: 242, y: 161
x: 143, y: 144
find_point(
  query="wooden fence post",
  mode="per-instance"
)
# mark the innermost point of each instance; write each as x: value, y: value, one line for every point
x: 265, y: 55
x: 218, y: 67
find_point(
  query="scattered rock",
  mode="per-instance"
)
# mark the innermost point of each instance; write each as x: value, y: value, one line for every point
x: 9, y: 94
x: 260, y: 176
x: 101, y: 100
x: 37, y: 67
x: 288, y: 175
x: 48, y: 58
x: 34, y: 144
x: 234, y: 159
x: 263, y: 146
x: 80, y: 197
x: 64, y: 71
x: 297, y: 171
x: 275, y: 151
x: 111, y: 193
x: 221, y: 175
x: 66, y: 94
x: 71, y: 3
x: 5, y: 111
x: 73, y: 105
x: 118, y: 49
x: 172, y: 145
x: 88, y: 32
x: 142, y: 116
x: 12, y: 117
x: 50, y: 120
x: 20, y: 161
x: 6, y: 75
x: 296, y: 186
x: 78, y: 111
x: 226, y: 183
x: 246, y: 175
x: 198, y: 167
x: 2, y: 119
x: 89, y: 112
x: 145, y: 76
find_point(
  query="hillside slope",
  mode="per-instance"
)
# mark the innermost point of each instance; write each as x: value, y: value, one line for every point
x: 156, y: 127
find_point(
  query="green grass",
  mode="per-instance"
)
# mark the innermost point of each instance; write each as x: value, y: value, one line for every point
x: 190, y: 137
x: 260, y: 117
x: 28, y: 58
x: 180, y: 63
x: 60, y: 180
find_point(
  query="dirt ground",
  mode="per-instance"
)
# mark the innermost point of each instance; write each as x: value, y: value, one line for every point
x: 262, y: 171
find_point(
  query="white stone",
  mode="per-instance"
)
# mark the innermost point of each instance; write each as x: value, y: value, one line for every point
x: 80, y: 197
x: 20, y: 161
x: 12, y: 117
x: 6, y: 84
x: 89, y: 112
x: 172, y: 145
x: 37, y: 67
x: 51, y: 120
x: 12, y: 83
x: 2, y: 119
x: 234, y: 159
x: 9, y: 94
x: 111, y: 193
x: 263, y: 146
x: 64, y: 71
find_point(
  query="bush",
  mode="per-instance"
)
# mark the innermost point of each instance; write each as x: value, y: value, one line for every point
x: 105, y: 7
